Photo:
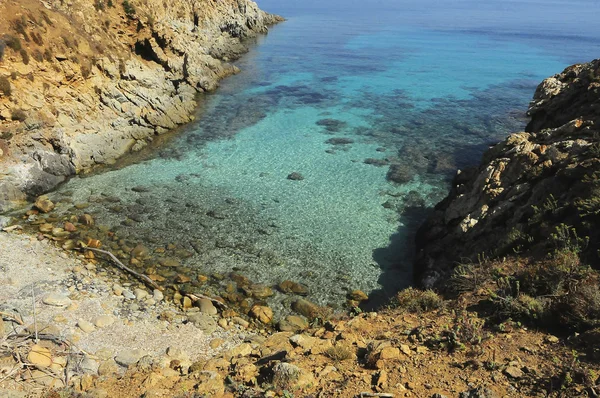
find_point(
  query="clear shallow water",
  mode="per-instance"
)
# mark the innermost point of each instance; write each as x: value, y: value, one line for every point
x: 424, y: 86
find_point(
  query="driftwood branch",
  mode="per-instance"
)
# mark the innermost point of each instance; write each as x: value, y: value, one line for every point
x: 376, y: 394
x: 125, y: 268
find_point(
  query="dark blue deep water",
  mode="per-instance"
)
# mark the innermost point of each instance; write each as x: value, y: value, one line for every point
x: 337, y: 93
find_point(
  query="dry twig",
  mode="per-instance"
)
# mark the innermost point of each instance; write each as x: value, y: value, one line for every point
x: 142, y: 277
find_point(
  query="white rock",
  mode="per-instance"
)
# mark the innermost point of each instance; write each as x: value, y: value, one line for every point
x: 158, y: 295
x: 86, y: 326
x: 103, y: 321
x: 56, y: 299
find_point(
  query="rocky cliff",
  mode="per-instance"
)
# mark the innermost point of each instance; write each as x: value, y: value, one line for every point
x: 534, y: 193
x: 85, y: 82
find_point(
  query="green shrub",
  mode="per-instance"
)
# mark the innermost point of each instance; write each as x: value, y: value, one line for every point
x: 24, y: 56
x: 37, y: 55
x: 18, y: 114
x: 37, y: 38
x: 5, y: 87
x: 19, y: 27
x: 2, y: 47
x: 47, y: 18
x: 13, y: 42
x: 415, y: 300
x: 129, y: 9
x: 48, y: 56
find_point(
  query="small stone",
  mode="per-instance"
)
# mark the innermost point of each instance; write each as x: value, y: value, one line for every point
x: 56, y: 299
x: 306, y: 308
x: 86, y: 326
x: 103, y: 321
x: 204, y: 322
x: 513, y: 372
x: 405, y: 349
x: 70, y: 227
x: 129, y: 357
x: 117, y: 290
x: 44, y: 204
x: 262, y: 313
x: 140, y: 294
x: 293, y: 287
x: 216, y: 343
x: 202, y: 278
x: 295, y: 176
x: 207, y: 307
x: 180, y: 278
x: 158, y: 295
x: 187, y: 302
x: 108, y: 368
x: 39, y: 356
x: 240, y: 321
x: 127, y: 294
x: 46, y: 228
x: 293, y: 323
x: 389, y: 353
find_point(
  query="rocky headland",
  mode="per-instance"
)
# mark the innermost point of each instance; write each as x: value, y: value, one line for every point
x: 535, y: 192
x: 83, y: 83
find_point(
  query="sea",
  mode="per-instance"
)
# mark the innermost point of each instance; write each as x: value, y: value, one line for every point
x: 320, y: 160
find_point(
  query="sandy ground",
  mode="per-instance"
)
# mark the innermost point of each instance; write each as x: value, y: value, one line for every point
x: 32, y: 270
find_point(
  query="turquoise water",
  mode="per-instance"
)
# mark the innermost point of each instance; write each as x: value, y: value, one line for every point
x: 339, y: 93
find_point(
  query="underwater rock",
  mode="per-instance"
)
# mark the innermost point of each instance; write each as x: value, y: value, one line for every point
x: 339, y: 141
x: 306, y: 308
x: 293, y: 287
x: 400, y: 173
x: 44, y: 204
x: 262, y: 313
x: 376, y: 162
x: 331, y: 125
x: 295, y: 176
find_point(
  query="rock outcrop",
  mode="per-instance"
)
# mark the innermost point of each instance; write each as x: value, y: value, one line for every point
x: 535, y: 192
x: 83, y: 83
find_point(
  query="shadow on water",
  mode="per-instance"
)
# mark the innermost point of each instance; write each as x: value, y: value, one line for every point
x: 396, y: 259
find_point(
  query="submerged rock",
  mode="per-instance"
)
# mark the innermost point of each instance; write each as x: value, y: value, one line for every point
x: 295, y: 176
x: 44, y: 204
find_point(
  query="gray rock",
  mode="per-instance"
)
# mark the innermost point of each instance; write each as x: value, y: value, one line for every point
x: 129, y: 357
x: 204, y: 322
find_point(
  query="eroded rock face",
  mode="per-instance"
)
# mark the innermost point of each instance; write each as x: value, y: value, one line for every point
x: 534, y: 191
x: 97, y: 82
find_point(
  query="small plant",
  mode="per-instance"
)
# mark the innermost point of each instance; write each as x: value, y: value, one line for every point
x: 2, y: 47
x: 47, y: 18
x: 339, y: 353
x: 13, y: 42
x: 48, y: 56
x: 99, y: 5
x: 19, y: 27
x: 5, y: 87
x: 129, y: 9
x: 37, y: 55
x: 24, y: 56
x: 415, y: 300
x: 18, y: 115
x: 37, y: 38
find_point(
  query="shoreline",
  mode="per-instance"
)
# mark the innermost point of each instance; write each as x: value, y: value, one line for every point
x: 142, y: 87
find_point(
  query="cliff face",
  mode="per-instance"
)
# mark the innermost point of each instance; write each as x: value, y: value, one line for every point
x: 535, y: 192
x: 84, y: 82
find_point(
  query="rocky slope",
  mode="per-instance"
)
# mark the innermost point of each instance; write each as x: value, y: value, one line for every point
x: 535, y: 193
x: 82, y: 82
